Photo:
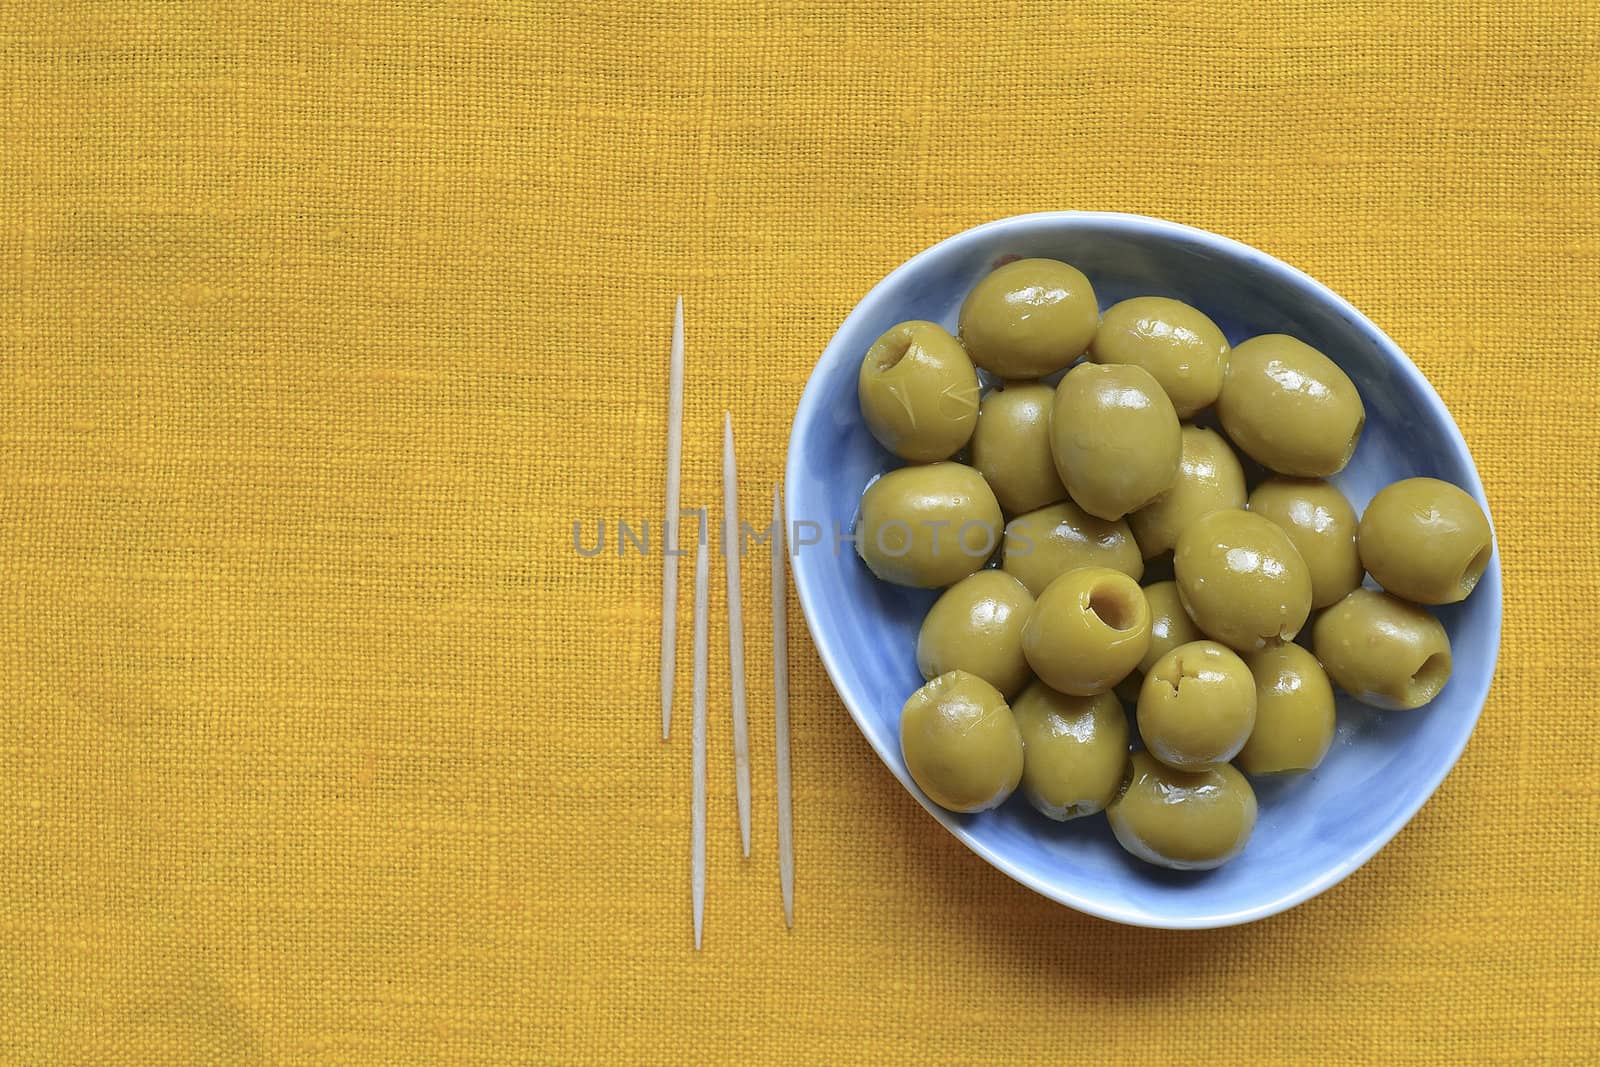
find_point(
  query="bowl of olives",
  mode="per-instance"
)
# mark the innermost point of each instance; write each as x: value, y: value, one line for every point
x: 1152, y: 568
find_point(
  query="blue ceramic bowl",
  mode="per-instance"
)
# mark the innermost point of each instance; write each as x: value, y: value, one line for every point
x: 1313, y: 830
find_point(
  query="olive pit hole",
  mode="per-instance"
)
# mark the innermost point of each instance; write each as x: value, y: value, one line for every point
x: 892, y: 350
x: 1430, y: 677
x: 1111, y: 606
x: 1474, y: 569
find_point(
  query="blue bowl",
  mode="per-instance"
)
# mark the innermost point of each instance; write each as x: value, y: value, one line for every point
x: 1313, y: 830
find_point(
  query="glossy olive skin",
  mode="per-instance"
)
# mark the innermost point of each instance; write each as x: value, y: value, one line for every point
x: 1180, y: 347
x: 960, y: 743
x: 1322, y: 525
x: 928, y: 526
x: 1197, y: 706
x: 1074, y: 750
x: 976, y: 626
x: 1242, y: 580
x: 1042, y: 545
x: 1170, y: 625
x: 1089, y: 628
x: 1115, y: 438
x: 1425, y: 540
x: 1294, y: 712
x: 1289, y: 407
x: 1029, y: 318
x: 919, y: 392
x: 1209, y: 477
x: 1382, y: 650
x: 1011, y: 447
x: 1186, y: 820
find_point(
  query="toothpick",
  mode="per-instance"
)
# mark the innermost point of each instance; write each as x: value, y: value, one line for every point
x: 669, y: 545
x: 730, y: 552
x: 780, y: 704
x: 698, y: 839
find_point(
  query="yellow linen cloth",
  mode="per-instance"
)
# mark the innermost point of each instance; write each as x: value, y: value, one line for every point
x: 320, y: 324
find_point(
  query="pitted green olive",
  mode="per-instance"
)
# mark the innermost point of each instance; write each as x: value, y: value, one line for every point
x: 1089, y: 628
x: 1289, y: 407
x: 1186, y: 820
x: 1294, y: 712
x: 976, y: 626
x: 1011, y: 447
x: 919, y: 392
x: 928, y: 526
x: 1242, y: 580
x: 1425, y: 540
x: 960, y: 743
x: 1073, y: 750
x: 1180, y: 347
x: 1382, y: 650
x: 1322, y: 525
x: 1115, y: 438
x: 1029, y: 318
x: 1197, y: 706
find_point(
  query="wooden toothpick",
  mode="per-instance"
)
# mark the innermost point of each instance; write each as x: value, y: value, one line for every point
x: 780, y: 704
x: 730, y: 552
x: 669, y: 544
x: 698, y: 833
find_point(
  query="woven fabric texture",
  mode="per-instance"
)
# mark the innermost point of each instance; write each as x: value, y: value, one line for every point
x: 320, y: 324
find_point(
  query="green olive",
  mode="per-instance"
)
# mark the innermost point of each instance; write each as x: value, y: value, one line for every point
x: 1294, y: 712
x: 960, y: 743
x: 1322, y: 525
x: 927, y: 526
x: 1382, y: 650
x: 1242, y: 580
x: 1074, y: 750
x: 1170, y: 625
x: 1089, y: 628
x: 1209, y: 477
x: 1042, y: 545
x: 1289, y: 407
x: 1011, y: 447
x: 1197, y: 706
x: 1186, y: 820
x: 1115, y: 438
x: 976, y: 626
x: 1029, y: 318
x: 1425, y: 540
x: 919, y: 392
x: 1176, y: 343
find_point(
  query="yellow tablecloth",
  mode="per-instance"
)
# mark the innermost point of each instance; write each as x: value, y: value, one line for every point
x: 321, y: 323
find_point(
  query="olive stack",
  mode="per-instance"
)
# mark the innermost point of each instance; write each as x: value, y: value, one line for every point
x: 1028, y: 663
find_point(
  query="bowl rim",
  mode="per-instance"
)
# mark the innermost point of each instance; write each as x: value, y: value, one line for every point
x: 805, y: 415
